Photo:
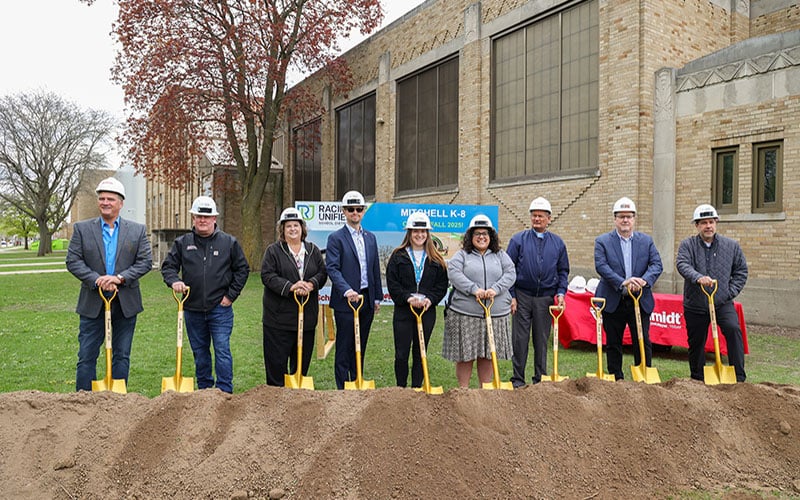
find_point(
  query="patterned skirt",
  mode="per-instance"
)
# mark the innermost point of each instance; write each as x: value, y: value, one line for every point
x: 465, y: 337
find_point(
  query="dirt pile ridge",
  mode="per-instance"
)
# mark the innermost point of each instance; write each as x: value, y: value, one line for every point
x: 580, y: 438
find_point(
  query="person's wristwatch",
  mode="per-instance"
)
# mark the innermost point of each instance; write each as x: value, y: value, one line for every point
x: 121, y: 278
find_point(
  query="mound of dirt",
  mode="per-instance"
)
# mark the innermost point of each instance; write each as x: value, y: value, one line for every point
x: 576, y: 439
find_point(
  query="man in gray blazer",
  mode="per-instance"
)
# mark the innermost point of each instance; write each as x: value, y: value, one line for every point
x: 109, y: 253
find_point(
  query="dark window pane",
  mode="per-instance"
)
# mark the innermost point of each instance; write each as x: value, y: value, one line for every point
x: 545, y: 95
x: 427, y: 113
x: 727, y: 179
x: 355, y: 153
x: 770, y: 175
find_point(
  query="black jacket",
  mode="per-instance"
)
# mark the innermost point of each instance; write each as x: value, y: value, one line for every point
x: 401, y: 281
x: 278, y: 273
x: 212, y: 268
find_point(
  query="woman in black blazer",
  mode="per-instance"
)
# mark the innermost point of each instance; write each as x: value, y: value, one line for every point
x: 416, y: 275
x: 290, y: 265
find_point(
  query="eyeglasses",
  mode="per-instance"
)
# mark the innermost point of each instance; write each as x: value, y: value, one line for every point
x: 354, y: 209
x: 480, y: 234
x: 625, y: 217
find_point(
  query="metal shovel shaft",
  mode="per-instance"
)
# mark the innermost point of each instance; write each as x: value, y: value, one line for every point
x: 108, y: 383
x: 359, y: 383
x: 641, y: 372
x: 297, y: 380
x: 598, y: 304
x: 496, y: 383
x: 426, y: 381
x: 555, y: 377
x: 178, y: 382
x: 717, y: 374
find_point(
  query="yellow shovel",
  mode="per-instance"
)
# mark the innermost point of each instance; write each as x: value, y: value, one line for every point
x: 108, y: 383
x: 359, y: 384
x: 598, y: 304
x: 178, y: 382
x: 496, y: 383
x: 642, y: 372
x: 297, y: 380
x: 555, y: 377
x: 717, y: 374
x: 426, y: 384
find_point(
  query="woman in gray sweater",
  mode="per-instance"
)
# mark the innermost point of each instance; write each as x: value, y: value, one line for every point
x: 479, y: 271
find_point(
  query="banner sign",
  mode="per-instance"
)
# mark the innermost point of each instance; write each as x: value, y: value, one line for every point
x: 387, y: 222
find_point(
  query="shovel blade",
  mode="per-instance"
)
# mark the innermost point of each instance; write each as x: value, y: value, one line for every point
x: 554, y: 378
x: 714, y: 375
x: 646, y: 374
x: 117, y: 385
x: 505, y: 386
x: 177, y: 384
x: 298, y: 381
x: 430, y: 390
x: 357, y: 385
x: 602, y: 376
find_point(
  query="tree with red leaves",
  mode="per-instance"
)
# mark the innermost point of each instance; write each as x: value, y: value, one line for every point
x: 199, y: 74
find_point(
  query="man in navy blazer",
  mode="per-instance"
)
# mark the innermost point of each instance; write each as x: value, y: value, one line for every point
x: 626, y: 259
x: 109, y: 253
x: 351, y: 258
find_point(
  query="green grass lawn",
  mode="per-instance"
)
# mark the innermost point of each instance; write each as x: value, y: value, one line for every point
x: 38, y: 341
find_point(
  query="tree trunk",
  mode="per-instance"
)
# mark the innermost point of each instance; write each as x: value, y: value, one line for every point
x: 45, y: 241
x: 253, y: 241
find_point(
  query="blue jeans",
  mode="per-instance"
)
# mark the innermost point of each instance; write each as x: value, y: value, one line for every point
x: 91, y: 339
x: 202, y: 328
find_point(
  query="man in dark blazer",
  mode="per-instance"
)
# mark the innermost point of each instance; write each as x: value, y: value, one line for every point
x: 353, y: 267
x: 107, y: 253
x: 625, y: 260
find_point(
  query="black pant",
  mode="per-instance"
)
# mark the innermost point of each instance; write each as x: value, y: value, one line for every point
x: 614, y: 325
x: 344, y: 368
x: 533, y: 313
x: 697, y: 333
x: 406, y: 339
x: 280, y: 347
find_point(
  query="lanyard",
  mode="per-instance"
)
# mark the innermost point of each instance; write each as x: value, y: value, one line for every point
x: 417, y: 267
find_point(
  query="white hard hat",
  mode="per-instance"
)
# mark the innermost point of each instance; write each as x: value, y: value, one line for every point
x: 480, y: 220
x: 290, y: 214
x: 591, y: 284
x: 577, y: 285
x: 418, y: 220
x: 624, y: 204
x: 111, y: 185
x: 705, y: 211
x: 540, y: 204
x: 353, y: 199
x: 204, y: 205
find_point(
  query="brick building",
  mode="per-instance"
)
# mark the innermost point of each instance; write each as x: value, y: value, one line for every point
x: 670, y: 102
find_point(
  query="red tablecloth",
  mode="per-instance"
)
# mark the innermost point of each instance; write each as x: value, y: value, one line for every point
x: 666, y: 323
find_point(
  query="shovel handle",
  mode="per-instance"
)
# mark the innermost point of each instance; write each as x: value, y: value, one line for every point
x: 301, y: 303
x: 106, y: 301
x: 414, y: 311
x: 560, y: 308
x: 360, y: 304
x: 710, y: 295
x: 487, y: 308
x: 598, y: 304
x: 635, y: 296
x: 181, y: 301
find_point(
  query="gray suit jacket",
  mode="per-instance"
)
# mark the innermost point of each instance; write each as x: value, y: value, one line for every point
x: 86, y: 261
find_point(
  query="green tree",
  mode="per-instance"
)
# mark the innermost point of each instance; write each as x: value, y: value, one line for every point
x: 16, y: 223
x: 46, y: 143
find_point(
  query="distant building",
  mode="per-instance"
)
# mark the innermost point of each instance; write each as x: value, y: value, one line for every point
x: 671, y: 102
